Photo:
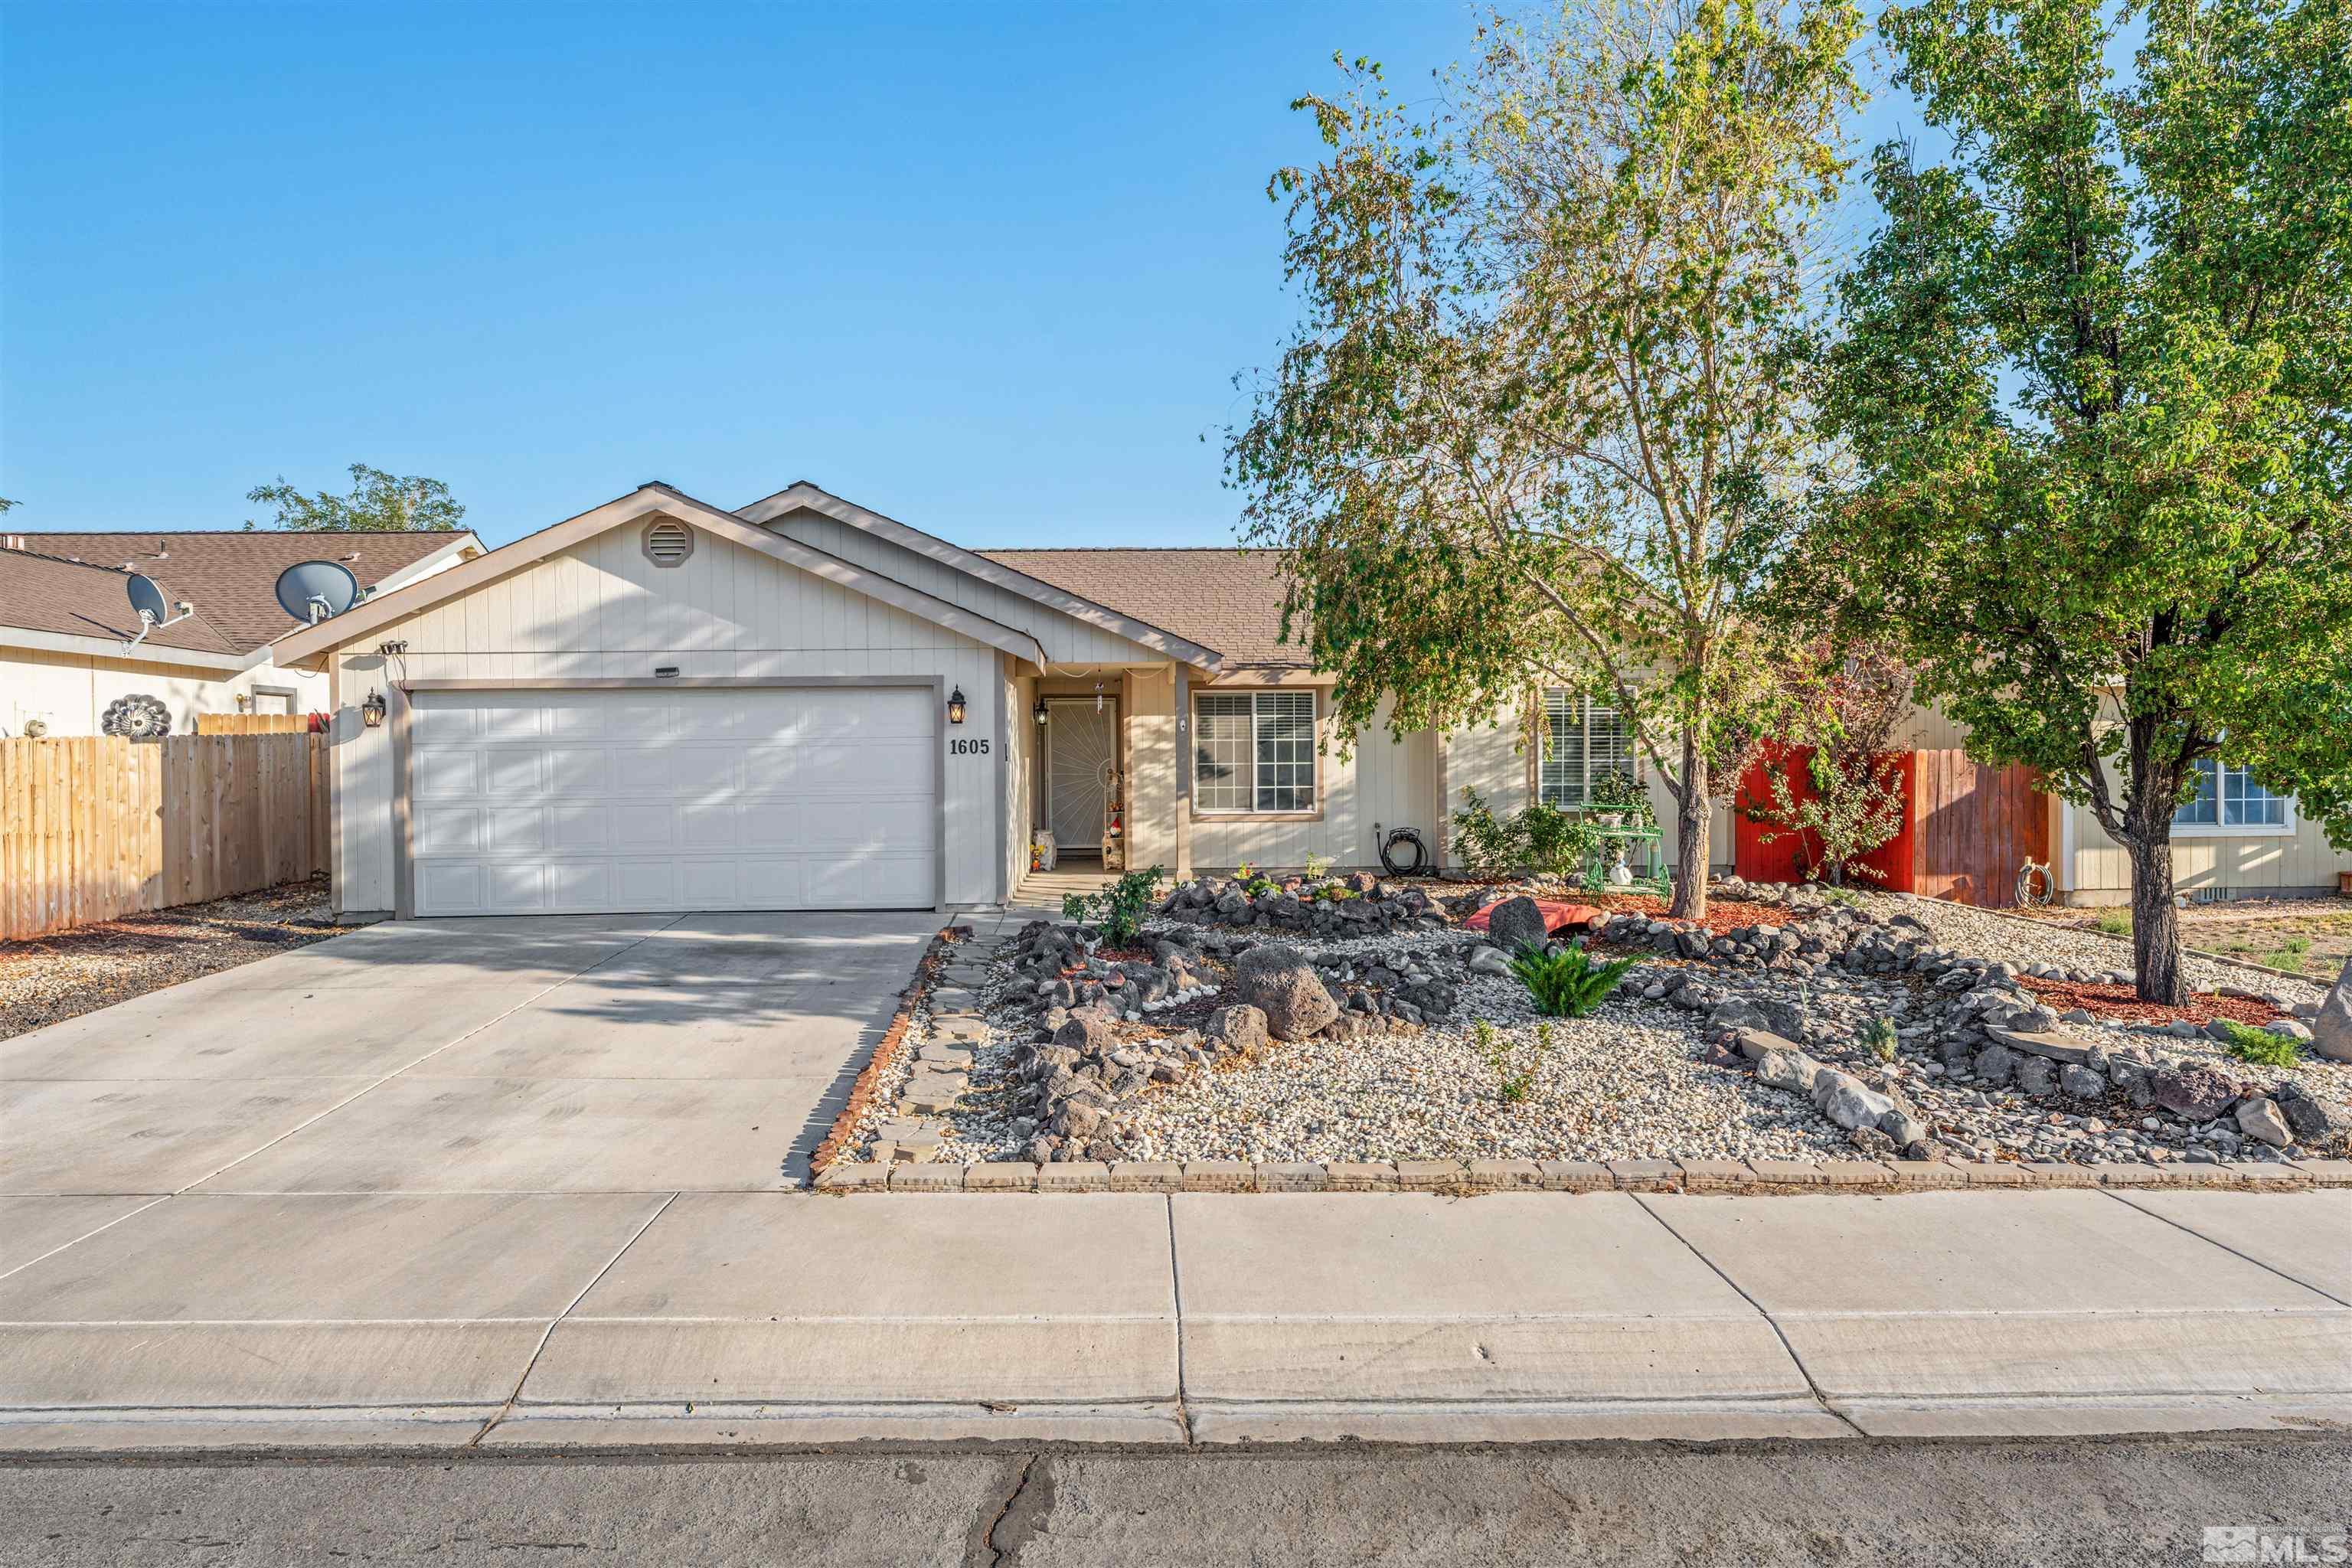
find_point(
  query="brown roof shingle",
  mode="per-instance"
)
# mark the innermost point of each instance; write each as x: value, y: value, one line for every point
x: 1229, y: 600
x: 73, y: 598
x: 229, y: 575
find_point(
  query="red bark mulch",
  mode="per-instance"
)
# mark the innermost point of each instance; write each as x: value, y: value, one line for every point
x: 1722, y: 914
x: 2118, y: 1002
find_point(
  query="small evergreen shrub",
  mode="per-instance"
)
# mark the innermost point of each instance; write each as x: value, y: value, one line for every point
x: 2259, y: 1046
x: 1118, y: 912
x: 1567, y: 984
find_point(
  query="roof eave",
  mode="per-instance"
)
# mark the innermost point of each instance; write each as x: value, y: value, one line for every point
x: 311, y: 647
x: 803, y: 495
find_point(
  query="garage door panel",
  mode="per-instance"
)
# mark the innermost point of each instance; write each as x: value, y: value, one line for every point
x: 879, y: 882
x: 450, y: 887
x: 437, y: 726
x: 512, y: 773
x: 648, y: 824
x: 512, y: 830
x: 842, y: 768
x: 445, y: 774
x: 580, y: 887
x: 579, y: 827
x: 579, y: 770
x: 511, y: 722
x: 448, y: 829
x: 591, y: 802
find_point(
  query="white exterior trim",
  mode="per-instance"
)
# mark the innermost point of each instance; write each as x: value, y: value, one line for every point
x: 144, y: 653
x: 805, y: 496
x: 313, y: 645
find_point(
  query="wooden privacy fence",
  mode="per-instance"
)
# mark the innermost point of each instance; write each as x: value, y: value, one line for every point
x: 1966, y: 829
x: 93, y: 826
x: 252, y: 724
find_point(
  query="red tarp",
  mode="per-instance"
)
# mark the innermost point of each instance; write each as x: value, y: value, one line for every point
x: 1555, y: 913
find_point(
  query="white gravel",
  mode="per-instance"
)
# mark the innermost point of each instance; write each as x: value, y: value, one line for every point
x: 1981, y: 933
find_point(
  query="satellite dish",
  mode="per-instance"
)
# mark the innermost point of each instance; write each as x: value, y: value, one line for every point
x: 147, y: 598
x: 314, y: 591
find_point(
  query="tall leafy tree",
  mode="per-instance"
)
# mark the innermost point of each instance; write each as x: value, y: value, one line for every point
x: 1543, y: 379
x: 2095, y: 376
x: 378, y: 501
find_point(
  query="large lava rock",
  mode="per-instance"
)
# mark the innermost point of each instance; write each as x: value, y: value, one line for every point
x: 1276, y: 981
x: 1517, y: 923
x: 2198, y: 1093
x: 2331, y: 1031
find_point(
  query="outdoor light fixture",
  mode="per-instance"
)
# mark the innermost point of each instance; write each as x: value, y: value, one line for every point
x: 955, y: 706
x: 372, y: 710
x: 1038, y: 712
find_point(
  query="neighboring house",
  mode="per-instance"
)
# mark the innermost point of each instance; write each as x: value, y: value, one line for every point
x: 660, y: 704
x: 65, y: 622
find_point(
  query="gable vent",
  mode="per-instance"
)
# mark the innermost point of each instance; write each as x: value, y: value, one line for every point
x: 668, y: 542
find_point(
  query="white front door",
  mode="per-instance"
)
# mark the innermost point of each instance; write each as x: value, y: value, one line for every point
x: 1081, y: 753
x: 563, y: 801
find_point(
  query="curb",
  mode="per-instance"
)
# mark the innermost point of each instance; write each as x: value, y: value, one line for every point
x: 1456, y: 1179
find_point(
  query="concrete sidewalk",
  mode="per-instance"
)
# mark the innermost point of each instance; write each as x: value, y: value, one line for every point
x: 577, y: 1319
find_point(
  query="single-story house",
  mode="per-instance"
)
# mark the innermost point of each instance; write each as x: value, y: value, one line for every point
x: 67, y: 627
x: 661, y: 704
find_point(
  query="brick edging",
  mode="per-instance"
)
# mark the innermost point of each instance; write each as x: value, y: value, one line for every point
x: 886, y: 1051
x: 1762, y: 1177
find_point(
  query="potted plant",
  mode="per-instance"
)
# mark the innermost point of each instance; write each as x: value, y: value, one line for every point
x: 1619, y: 800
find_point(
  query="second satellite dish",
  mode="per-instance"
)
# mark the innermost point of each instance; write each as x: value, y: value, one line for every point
x: 314, y: 591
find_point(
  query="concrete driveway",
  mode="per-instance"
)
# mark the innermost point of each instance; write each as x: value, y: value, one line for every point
x: 567, y: 1055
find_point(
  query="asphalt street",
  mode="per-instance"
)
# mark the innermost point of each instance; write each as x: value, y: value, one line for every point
x: 2104, y: 1501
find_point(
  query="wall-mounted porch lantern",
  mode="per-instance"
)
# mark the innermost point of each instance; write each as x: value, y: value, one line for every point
x: 1038, y: 712
x: 372, y: 710
x: 955, y: 706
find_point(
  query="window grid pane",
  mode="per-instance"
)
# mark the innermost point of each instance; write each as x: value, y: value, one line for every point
x: 1560, y: 778
x: 1220, y: 754
x: 1285, y: 750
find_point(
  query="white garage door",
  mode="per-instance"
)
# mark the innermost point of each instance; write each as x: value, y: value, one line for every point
x: 587, y: 802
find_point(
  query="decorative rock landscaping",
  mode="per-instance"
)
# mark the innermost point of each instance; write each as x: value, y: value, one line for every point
x: 1279, y: 1039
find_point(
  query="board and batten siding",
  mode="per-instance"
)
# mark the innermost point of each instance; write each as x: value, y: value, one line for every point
x: 1386, y: 780
x: 602, y: 610
x: 2300, y: 861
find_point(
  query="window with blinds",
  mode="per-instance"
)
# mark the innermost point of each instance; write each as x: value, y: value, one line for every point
x: 1583, y: 741
x: 1254, y: 751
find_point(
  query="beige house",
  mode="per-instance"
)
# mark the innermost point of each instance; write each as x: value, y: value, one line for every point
x: 661, y: 704
x: 69, y: 644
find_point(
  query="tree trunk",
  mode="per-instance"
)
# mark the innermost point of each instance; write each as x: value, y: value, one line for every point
x: 1691, y: 847
x: 2156, y: 923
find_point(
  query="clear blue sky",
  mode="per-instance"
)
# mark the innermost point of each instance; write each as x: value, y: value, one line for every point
x: 988, y: 268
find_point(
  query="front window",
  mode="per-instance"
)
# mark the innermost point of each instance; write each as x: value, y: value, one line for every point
x: 2229, y: 796
x: 1254, y: 751
x: 1583, y: 742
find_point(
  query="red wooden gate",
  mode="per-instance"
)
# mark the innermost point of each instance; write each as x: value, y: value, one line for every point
x: 1966, y: 832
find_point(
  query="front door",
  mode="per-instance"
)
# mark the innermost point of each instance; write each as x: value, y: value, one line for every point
x: 1081, y: 753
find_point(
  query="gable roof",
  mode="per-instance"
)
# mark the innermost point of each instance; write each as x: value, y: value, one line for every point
x: 1151, y: 633
x: 305, y: 644
x: 230, y: 576
x: 1227, y: 599
x: 52, y: 596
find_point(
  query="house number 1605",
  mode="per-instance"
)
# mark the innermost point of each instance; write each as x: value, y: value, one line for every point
x: 967, y: 748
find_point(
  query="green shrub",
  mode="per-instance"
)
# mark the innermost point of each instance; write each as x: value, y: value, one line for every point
x: 2113, y: 922
x: 1880, y: 1036
x: 1318, y: 867
x: 1118, y: 911
x: 1567, y: 985
x: 1260, y: 886
x: 2259, y: 1046
x: 1515, y: 1066
x: 1537, y: 837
